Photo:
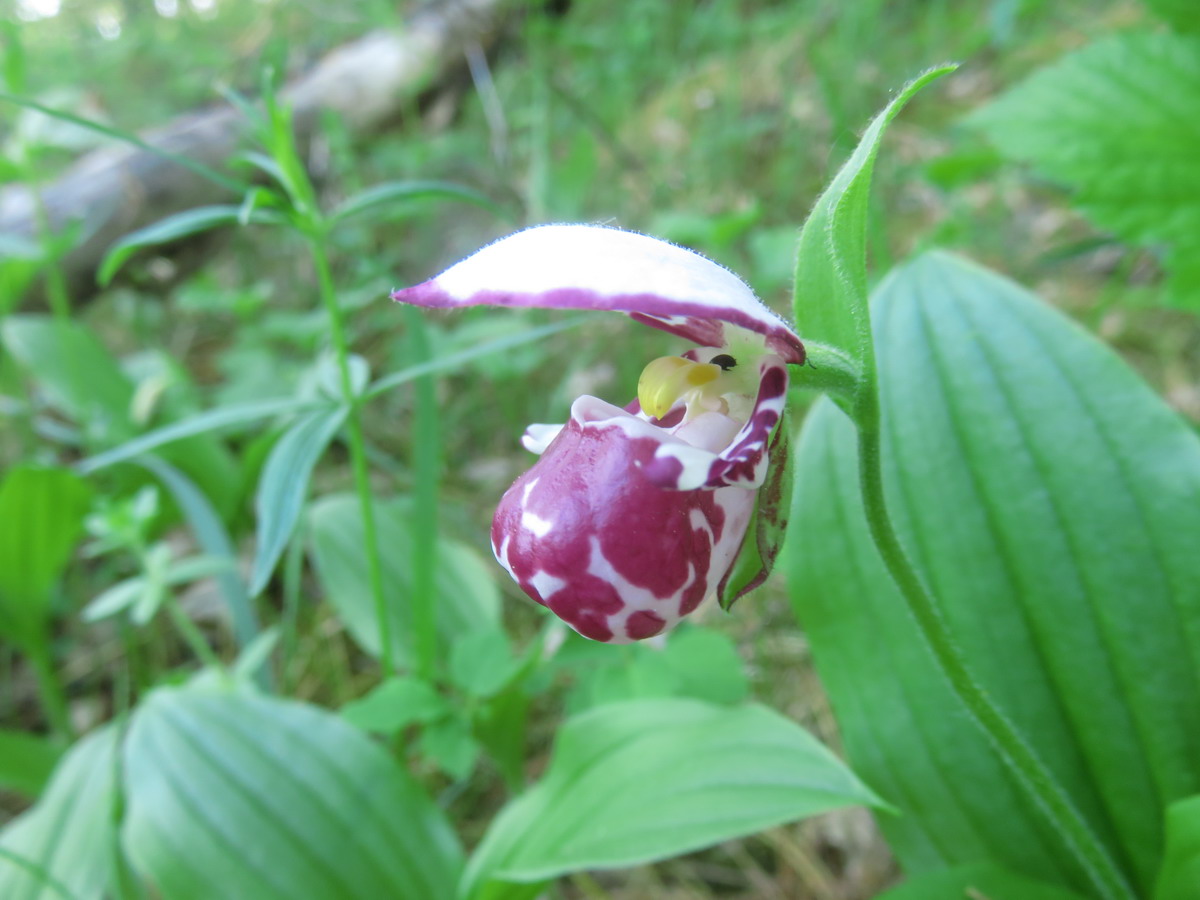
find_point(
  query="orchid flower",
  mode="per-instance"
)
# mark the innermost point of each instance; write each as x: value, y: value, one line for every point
x: 633, y: 516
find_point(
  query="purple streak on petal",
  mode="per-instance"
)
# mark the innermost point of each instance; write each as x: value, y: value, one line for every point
x: 744, y: 462
x: 585, y: 533
x: 586, y: 267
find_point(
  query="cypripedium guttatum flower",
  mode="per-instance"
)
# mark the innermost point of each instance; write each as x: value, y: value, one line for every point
x: 632, y: 517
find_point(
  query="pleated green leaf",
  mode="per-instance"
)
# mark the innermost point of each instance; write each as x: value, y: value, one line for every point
x: 1051, y: 501
x: 643, y: 780
x: 64, y: 847
x: 232, y: 794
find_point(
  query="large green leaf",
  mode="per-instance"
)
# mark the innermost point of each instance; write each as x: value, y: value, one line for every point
x: 1180, y: 875
x: 232, y: 794
x: 1051, y: 501
x: 1119, y: 123
x: 831, y: 259
x: 645, y: 780
x: 976, y: 882
x: 41, y: 518
x: 467, y: 596
x: 65, y: 845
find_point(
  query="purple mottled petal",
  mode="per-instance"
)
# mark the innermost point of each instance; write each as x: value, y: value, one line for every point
x: 744, y: 461
x: 590, y: 267
x: 586, y: 534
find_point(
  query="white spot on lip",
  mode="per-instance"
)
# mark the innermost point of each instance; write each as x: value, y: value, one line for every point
x: 546, y: 584
x: 531, y: 520
x: 535, y: 523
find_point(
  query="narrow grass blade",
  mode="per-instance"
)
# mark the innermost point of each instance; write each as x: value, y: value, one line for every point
x: 454, y: 360
x: 127, y: 137
x: 214, y: 540
x: 212, y: 420
x: 284, y: 485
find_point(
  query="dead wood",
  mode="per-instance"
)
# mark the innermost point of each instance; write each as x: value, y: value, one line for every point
x: 118, y: 188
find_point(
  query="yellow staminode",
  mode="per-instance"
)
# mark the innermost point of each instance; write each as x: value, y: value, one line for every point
x: 668, y: 378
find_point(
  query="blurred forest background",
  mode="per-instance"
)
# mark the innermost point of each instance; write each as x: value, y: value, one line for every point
x: 713, y: 124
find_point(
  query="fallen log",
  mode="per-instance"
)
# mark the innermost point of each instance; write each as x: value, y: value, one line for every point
x: 118, y: 188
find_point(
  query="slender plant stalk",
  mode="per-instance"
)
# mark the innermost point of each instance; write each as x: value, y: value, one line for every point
x: 1016, y: 752
x: 50, y: 688
x: 358, y: 451
x: 426, y: 455
x: 288, y: 625
x: 56, y: 283
x: 191, y: 634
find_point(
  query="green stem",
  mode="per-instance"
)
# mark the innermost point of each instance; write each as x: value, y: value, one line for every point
x: 50, y: 688
x: 426, y: 456
x: 358, y: 451
x: 56, y: 283
x: 191, y: 634
x: 1020, y: 757
x: 827, y: 369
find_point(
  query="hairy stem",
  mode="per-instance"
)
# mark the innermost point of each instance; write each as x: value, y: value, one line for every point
x: 192, y: 635
x: 358, y: 451
x: 1031, y: 772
